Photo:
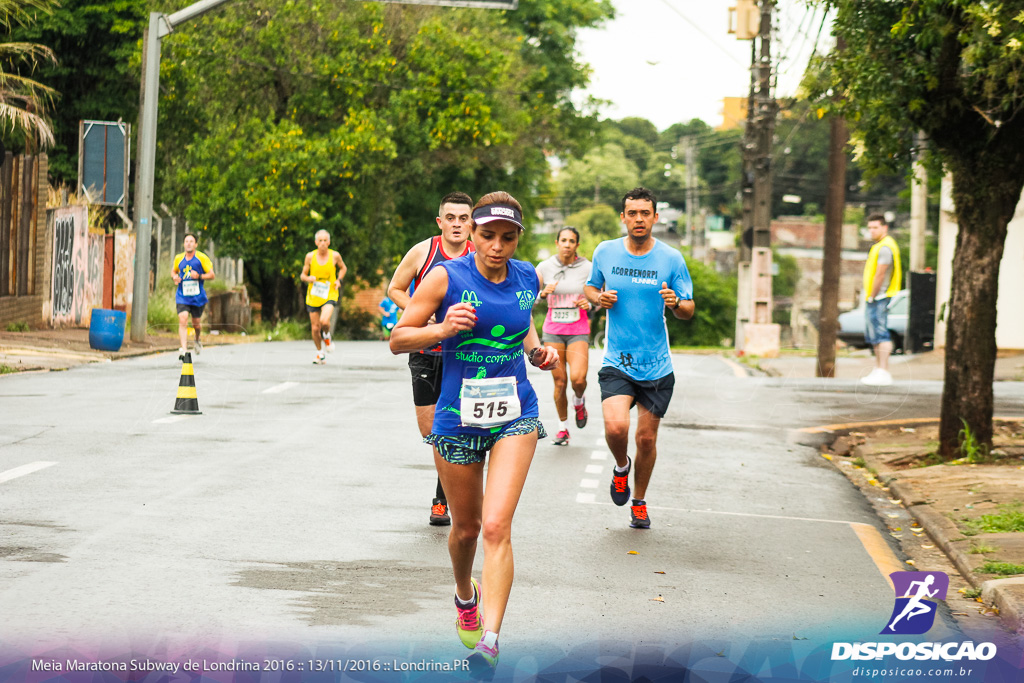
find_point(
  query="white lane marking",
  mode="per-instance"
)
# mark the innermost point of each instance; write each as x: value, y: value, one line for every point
x: 598, y: 455
x: 746, y: 514
x: 24, y: 469
x: 278, y: 388
x: 585, y: 497
x: 589, y: 483
x: 600, y: 442
x: 171, y: 419
x: 595, y: 469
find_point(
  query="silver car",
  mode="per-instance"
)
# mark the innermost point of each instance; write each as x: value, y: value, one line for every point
x: 851, y: 323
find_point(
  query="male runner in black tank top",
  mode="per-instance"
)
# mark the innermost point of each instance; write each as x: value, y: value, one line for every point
x: 453, y: 219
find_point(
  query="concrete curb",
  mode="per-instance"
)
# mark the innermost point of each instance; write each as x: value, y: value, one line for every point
x: 1006, y: 594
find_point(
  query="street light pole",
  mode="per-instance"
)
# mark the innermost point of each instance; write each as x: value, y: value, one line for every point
x: 160, y: 25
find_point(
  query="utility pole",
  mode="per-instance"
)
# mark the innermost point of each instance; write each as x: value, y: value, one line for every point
x: 755, y: 332
x: 835, y: 204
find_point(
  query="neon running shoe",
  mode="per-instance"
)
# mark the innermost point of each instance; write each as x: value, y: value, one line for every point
x: 320, y: 358
x: 468, y: 624
x: 439, y: 513
x: 562, y: 439
x: 327, y: 342
x: 198, y: 347
x: 581, y: 415
x: 638, y: 515
x: 620, y: 484
x: 484, y: 659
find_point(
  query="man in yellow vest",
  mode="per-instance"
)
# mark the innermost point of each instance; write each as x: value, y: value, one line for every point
x: 323, y: 272
x: 883, y: 277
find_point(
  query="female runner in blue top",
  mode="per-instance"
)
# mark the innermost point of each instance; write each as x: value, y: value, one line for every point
x: 484, y: 301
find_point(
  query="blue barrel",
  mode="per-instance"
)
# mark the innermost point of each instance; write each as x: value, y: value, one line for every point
x: 106, y: 329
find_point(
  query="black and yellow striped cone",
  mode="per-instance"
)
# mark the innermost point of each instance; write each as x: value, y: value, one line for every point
x: 187, y: 402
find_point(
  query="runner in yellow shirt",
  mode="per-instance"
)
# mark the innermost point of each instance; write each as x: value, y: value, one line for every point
x: 323, y: 272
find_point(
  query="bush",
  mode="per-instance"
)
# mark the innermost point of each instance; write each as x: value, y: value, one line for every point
x: 20, y: 326
x: 715, y: 317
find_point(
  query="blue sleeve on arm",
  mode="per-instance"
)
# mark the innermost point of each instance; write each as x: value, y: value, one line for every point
x: 681, y: 281
x: 596, y: 276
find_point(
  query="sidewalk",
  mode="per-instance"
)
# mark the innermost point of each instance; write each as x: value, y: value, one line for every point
x: 972, y: 512
x: 904, y: 367
x: 65, y: 348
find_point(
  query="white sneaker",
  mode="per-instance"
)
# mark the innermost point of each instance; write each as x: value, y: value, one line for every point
x: 181, y: 354
x: 328, y: 344
x: 198, y: 347
x: 320, y: 359
x: 877, y: 378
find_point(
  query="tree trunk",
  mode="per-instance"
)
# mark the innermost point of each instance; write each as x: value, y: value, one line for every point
x: 986, y: 190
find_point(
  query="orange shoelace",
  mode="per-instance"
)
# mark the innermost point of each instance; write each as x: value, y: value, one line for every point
x: 640, y: 511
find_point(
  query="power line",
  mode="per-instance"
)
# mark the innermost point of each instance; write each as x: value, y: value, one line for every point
x: 705, y: 34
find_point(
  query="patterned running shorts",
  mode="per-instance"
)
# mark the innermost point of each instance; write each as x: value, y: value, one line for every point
x: 468, y: 449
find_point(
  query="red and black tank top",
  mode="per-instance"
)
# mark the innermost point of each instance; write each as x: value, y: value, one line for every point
x: 435, y: 255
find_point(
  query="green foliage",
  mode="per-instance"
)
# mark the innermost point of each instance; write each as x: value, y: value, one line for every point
x: 602, y: 171
x: 596, y: 224
x: 161, y: 313
x: 1009, y: 518
x: 715, y: 316
x: 7, y: 369
x: 784, y: 284
x: 24, y: 100
x: 93, y: 76
x: 972, y: 451
x: 19, y: 326
x: 981, y: 549
x: 365, y: 114
x: 1001, y: 568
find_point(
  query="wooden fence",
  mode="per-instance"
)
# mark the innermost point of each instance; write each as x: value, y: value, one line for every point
x: 24, y: 275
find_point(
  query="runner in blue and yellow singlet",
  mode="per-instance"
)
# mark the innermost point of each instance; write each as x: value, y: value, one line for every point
x: 191, y: 269
x: 323, y: 272
x: 487, y: 408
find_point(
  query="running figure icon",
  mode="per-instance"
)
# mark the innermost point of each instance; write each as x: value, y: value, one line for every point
x: 916, y: 606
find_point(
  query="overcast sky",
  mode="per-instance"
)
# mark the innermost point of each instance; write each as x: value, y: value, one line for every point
x: 670, y: 61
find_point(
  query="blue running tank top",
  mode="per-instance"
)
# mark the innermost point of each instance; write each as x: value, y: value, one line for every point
x: 494, y: 347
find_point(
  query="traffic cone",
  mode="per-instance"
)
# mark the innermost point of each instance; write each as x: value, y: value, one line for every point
x: 187, y: 402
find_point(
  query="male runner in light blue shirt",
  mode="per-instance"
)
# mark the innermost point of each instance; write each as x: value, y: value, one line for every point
x: 641, y: 278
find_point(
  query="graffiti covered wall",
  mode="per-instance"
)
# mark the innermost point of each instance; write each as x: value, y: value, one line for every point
x: 77, y: 268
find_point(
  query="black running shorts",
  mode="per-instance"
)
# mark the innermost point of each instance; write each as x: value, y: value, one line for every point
x: 426, y: 378
x: 654, y: 395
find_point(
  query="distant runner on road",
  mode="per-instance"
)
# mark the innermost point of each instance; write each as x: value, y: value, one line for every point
x: 323, y: 272
x: 453, y: 219
x: 641, y: 278
x: 191, y: 269
x: 566, y: 326
x: 487, y: 409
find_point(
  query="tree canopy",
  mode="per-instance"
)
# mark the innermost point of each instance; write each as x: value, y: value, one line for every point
x: 365, y: 114
x: 951, y: 69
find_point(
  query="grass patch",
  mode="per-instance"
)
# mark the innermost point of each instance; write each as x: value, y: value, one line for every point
x: 1001, y: 568
x: 929, y: 459
x: 284, y: 330
x: 7, y: 369
x: 20, y: 326
x: 971, y: 593
x: 981, y: 549
x: 1009, y: 518
x: 859, y: 462
x: 970, y: 448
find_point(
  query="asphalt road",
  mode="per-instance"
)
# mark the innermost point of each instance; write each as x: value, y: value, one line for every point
x: 291, y: 515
